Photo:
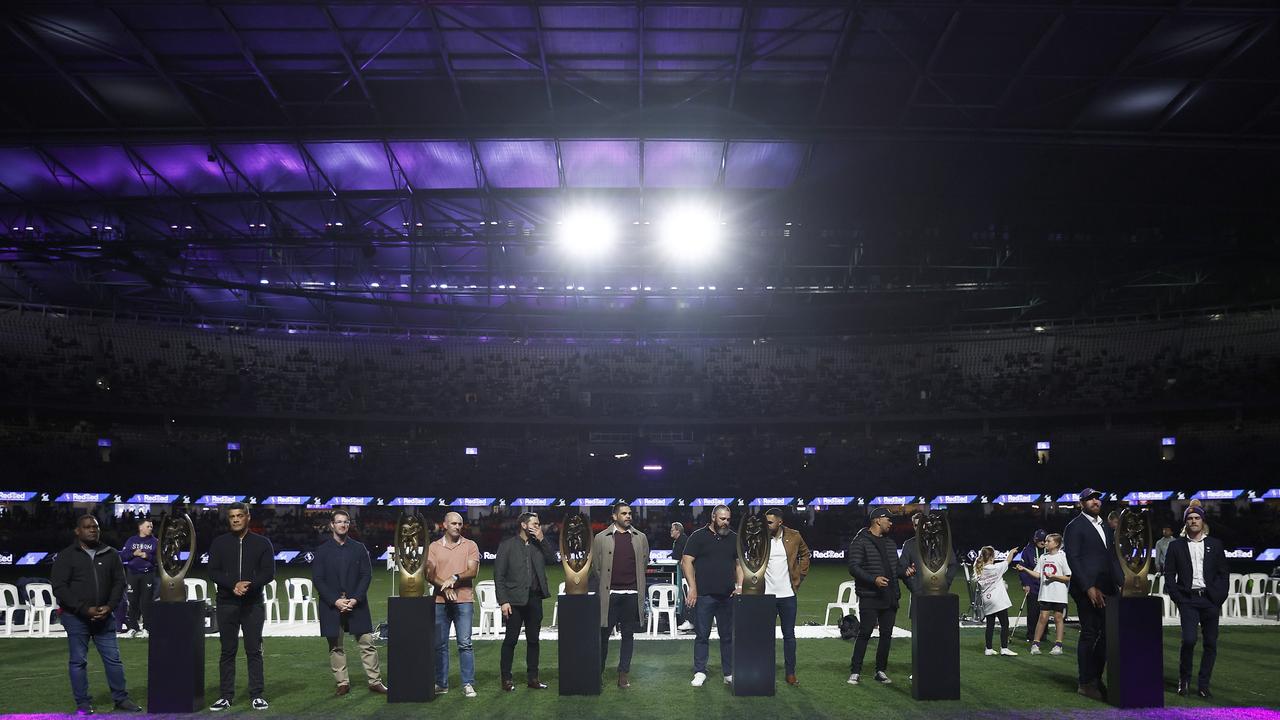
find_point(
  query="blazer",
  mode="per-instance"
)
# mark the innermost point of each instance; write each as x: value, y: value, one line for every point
x: 602, y: 567
x: 1178, y: 571
x: 513, y: 576
x: 1093, y: 562
x: 339, y: 570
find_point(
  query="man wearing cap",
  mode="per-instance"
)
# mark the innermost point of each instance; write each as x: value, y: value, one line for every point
x: 1090, y: 547
x: 1031, y: 584
x: 875, y: 567
x: 1195, y: 577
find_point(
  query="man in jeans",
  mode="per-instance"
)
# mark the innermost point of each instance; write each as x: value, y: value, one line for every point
x: 787, y: 568
x: 240, y: 563
x: 710, y: 562
x: 88, y: 582
x: 455, y: 560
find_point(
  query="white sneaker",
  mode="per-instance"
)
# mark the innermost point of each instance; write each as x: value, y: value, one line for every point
x: 853, y: 679
x: 1007, y: 652
x: 698, y: 679
x: 685, y: 626
x: 1035, y: 649
x: 990, y: 652
x: 1057, y: 650
x: 728, y: 679
x: 468, y: 691
x: 883, y: 678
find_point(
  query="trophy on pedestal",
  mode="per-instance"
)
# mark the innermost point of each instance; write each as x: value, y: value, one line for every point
x: 579, y: 612
x: 753, y: 553
x: 1136, y: 551
x: 411, y: 555
x: 175, y: 625
x: 1135, y: 631
x: 935, y: 632
x: 176, y: 535
x: 754, y: 653
x: 933, y: 538
x: 575, y: 553
x: 411, y: 659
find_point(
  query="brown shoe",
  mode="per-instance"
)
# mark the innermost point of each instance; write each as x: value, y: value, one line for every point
x: 1091, y: 691
x: 342, y: 690
x: 379, y: 688
x: 535, y: 685
x: 624, y: 680
x: 791, y: 680
x: 508, y: 686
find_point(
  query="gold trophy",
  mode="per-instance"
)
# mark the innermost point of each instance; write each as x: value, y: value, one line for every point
x: 411, y: 555
x: 933, y: 540
x: 575, y: 553
x: 1136, y: 551
x: 176, y: 534
x: 753, y: 553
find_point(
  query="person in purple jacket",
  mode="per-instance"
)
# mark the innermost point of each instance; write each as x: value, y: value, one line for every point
x: 139, y: 558
x: 1031, y: 584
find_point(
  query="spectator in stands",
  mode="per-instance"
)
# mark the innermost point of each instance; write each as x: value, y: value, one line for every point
x: 241, y: 563
x: 88, y: 583
x: 455, y: 560
x: 139, y: 557
x: 341, y: 573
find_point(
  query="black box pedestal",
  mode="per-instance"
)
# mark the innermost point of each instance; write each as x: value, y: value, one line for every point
x: 579, y: 647
x: 754, y: 647
x: 175, y: 657
x: 411, y: 652
x: 935, y: 647
x: 1135, y: 652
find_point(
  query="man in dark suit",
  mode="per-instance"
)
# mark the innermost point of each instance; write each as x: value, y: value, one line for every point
x: 520, y: 581
x: 341, y: 573
x: 1195, y: 572
x: 1095, y: 573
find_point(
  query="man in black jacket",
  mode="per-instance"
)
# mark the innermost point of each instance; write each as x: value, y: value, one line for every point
x: 341, y: 573
x: 520, y: 581
x: 1095, y: 573
x: 875, y: 567
x: 1196, y: 578
x: 240, y: 563
x: 88, y: 582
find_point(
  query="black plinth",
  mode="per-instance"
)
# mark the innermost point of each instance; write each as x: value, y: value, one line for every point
x: 579, y: 645
x: 1135, y: 652
x: 175, y: 657
x: 935, y: 647
x: 754, y: 647
x: 411, y: 652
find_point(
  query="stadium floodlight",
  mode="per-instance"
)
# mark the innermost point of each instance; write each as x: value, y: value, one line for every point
x: 586, y: 234
x: 691, y: 234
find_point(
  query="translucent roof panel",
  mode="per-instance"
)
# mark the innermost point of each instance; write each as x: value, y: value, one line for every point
x: 106, y: 168
x: 763, y: 164
x: 353, y: 165
x: 25, y: 173
x: 676, y: 164
x: 433, y: 165
x: 601, y: 163
x: 270, y: 167
x: 186, y: 167
x: 519, y: 164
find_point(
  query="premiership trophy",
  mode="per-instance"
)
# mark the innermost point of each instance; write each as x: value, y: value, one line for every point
x: 933, y: 539
x: 176, y: 625
x: 1136, y: 552
x: 753, y: 553
x: 575, y: 553
x: 411, y: 555
x: 411, y: 659
x: 176, y: 535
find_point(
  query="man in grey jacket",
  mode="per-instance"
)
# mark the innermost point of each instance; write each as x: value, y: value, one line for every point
x: 520, y: 581
x: 620, y: 554
x: 875, y: 567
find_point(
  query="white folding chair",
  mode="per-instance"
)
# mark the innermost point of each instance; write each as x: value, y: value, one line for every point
x: 662, y: 603
x: 846, y: 602
x: 197, y: 589
x: 1255, y: 594
x: 9, y: 605
x: 1235, y: 595
x: 271, y: 602
x: 1168, y: 608
x: 555, y: 609
x: 490, y: 611
x: 302, y: 598
x: 41, y: 606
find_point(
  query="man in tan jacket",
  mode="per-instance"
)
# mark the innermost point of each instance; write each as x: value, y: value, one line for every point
x: 787, y: 568
x: 619, y: 555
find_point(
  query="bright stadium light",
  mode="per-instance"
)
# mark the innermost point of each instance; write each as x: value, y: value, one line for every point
x: 689, y: 233
x: 586, y: 234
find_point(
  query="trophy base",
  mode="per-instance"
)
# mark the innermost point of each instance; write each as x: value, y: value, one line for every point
x: 579, y: 646
x: 755, y: 651
x: 411, y: 651
x: 935, y: 647
x: 1135, y: 652
x: 175, y: 657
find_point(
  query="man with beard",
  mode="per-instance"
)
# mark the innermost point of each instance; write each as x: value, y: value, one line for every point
x: 1095, y: 573
x: 620, y: 554
x: 710, y: 562
x: 88, y: 582
x: 341, y: 572
x: 520, y: 581
x: 875, y: 567
x: 1196, y: 578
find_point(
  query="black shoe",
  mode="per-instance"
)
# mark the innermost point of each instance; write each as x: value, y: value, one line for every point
x: 1091, y: 691
x: 1184, y: 686
x: 127, y: 705
x: 1204, y: 693
x: 83, y: 710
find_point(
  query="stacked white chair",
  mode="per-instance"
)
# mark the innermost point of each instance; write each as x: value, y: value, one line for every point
x: 1255, y: 594
x: 555, y: 609
x: 41, y: 606
x: 197, y: 589
x: 302, y: 598
x: 662, y: 603
x: 1235, y: 595
x: 9, y: 606
x: 271, y: 602
x: 490, y: 612
x: 1168, y: 608
x: 846, y: 602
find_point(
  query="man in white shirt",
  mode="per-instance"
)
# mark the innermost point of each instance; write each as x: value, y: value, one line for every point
x: 787, y: 568
x: 1196, y: 578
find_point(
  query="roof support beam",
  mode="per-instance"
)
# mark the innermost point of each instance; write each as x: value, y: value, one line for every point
x: 247, y: 53
x: 1242, y: 44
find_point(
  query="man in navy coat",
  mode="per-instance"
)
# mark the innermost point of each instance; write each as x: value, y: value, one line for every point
x: 1095, y: 573
x: 1196, y: 578
x: 341, y: 573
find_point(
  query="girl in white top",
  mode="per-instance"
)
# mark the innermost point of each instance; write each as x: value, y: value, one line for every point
x: 1055, y: 575
x: 995, y: 596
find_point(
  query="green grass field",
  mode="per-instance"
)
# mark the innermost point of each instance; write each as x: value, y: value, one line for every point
x: 298, y: 680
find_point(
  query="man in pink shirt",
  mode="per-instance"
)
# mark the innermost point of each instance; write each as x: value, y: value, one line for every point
x: 456, y: 561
